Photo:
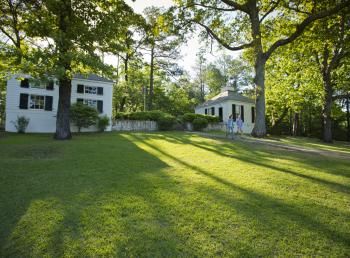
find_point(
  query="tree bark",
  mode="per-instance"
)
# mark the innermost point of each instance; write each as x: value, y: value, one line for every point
x: 126, y: 79
x: 151, y: 81
x: 62, y: 120
x: 348, y: 117
x: 65, y: 84
x: 327, y: 109
x: 259, y: 129
x: 296, y: 125
x: 277, y: 122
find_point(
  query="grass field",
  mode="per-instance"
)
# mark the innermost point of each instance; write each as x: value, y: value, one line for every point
x: 169, y: 195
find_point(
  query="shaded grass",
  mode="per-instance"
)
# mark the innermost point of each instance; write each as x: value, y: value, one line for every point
x: 168, y: 194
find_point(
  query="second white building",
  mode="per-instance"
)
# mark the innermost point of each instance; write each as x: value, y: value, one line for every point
x: 230, y: 102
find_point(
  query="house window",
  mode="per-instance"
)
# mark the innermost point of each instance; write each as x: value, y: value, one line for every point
x: 206, y: 111
x: 213, y: 111
x: 97, y: 104
x: 37, y: 84
x: 94, y: 90
x: 91, y: 103
x: 90, y: 90
x: 37, y: 102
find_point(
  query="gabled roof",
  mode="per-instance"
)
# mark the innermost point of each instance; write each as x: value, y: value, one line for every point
x: 224, y: 96
x: 91, y: 77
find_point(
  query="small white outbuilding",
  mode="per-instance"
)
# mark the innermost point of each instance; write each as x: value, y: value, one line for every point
x: 230, y: 102
x: 38, y: 100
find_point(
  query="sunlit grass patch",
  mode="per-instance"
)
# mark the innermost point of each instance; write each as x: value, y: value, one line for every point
x: 169, y: 194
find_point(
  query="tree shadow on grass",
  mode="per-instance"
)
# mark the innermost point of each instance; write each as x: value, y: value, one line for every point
x: 105, y: 196
x: 74, y: 204
x: 286, y: 212
x: 262, y: 158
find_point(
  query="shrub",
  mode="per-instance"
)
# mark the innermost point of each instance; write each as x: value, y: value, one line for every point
x: 102, y: 123
x: 189, y: 117
x: 199, y: 123
x: 166, y: 122
x: 141, y: 115
x: 83, y: 116
x: 21, y: 124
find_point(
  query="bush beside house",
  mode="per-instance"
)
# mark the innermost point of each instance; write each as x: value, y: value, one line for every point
x: 83, y: 116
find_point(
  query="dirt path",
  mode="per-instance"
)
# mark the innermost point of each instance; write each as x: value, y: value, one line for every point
x: 327, y: 153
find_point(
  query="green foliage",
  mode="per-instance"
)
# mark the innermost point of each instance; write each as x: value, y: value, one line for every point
x: 199, y: 123
x: 141, y: 115
x: 21, y: 124
x: 189, y: 117
x: 102, y: 123
x: 83, y: 116
x: 166, y: 122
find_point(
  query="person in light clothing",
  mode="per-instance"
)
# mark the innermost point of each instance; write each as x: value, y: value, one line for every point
x: 230, y: 126
x: 239, y: 123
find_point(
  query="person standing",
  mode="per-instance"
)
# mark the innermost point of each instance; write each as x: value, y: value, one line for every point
x: 239, y: 123
x: 230, y: 125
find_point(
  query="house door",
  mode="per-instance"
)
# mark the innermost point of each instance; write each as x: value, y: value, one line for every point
x: 220, y: 113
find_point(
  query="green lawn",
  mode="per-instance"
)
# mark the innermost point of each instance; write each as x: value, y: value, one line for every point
x: 337, y: 146
x: 169, y: 195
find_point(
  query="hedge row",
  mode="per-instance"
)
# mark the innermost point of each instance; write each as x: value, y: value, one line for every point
x: 166, y: 121
x: 189, y: 117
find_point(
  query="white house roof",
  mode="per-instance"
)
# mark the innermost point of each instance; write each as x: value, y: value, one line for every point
x: 91, y: 77
x: 226, y: 95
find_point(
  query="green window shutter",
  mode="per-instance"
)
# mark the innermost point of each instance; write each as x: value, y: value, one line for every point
x: 50, y: 85
x: 80, y: 88
x: 253, y: 115
x: 48, y: 103
x: 242, y: 113
x: 23, y: 101
x: 100, y: 106
x: 25, y: 83
x: 234, y: 112
x: 99, y: 90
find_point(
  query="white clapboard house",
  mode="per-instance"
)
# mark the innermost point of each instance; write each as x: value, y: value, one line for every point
x: 38, y: 100
x: 230, y: 102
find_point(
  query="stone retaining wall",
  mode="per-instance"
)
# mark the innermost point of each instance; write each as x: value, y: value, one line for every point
x: 134, y: 125
x: 210, y: 127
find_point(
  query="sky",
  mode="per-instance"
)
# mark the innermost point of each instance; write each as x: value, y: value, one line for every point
x: 188, y: 51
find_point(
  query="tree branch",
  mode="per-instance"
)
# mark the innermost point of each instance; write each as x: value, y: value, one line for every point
x: 213, y: 7
x: 223, y: 43
x: 241, y: 7
x: 9, y: 36
x: 275, y: 4
x: 342, y: 96
x: 302, y: 26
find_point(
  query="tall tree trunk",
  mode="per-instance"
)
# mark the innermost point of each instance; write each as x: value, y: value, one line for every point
x: 65, y: 84
x: 348, y: 117
x: 259, y: 129
x: 327, y: 109
x: 62, y: 120
x: 296, y: 125
x: 126, y: 79
x: 151, y: 81
x: 277, y: 122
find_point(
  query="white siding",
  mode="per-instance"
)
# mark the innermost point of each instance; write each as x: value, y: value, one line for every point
x: 42, y: 121
x: 227, y: 111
